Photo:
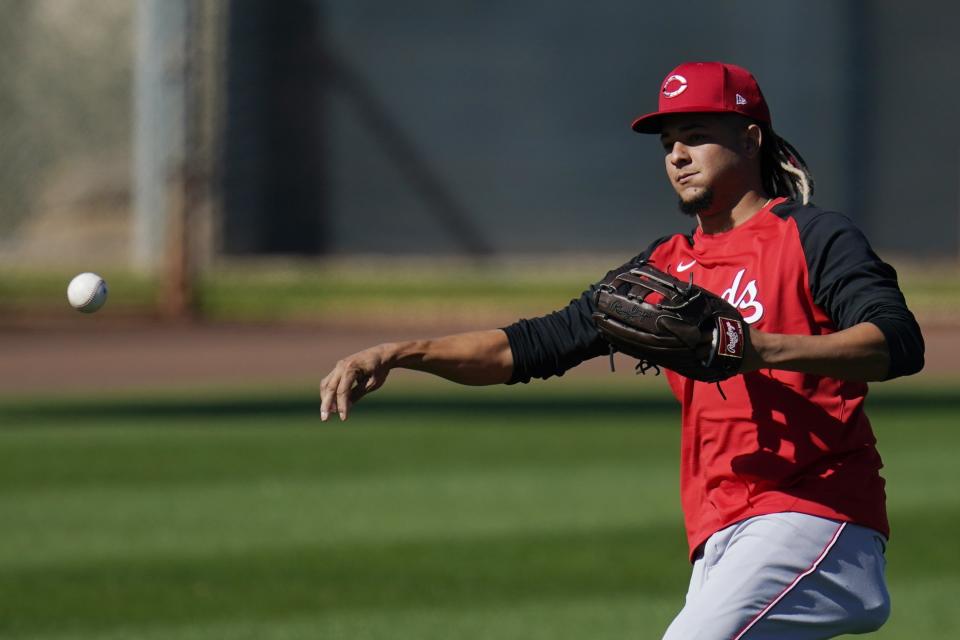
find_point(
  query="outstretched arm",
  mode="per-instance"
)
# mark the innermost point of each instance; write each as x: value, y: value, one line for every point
x: 474, y: 358
x: 530, y: 348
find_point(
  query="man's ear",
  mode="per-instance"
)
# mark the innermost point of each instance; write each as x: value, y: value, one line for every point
x: 751, y: 140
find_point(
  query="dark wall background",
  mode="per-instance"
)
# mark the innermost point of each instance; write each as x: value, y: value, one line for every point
x: 508, y: 121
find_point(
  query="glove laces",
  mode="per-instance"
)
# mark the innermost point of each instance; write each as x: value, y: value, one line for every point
x: 643, y: 366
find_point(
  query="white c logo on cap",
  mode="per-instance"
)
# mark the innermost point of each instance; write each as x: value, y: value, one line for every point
x: 679, y: 86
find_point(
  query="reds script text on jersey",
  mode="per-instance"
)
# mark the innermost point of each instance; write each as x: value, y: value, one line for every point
x: 781, y: 441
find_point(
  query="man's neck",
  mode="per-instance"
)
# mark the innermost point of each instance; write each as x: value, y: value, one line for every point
x: 729, y: 218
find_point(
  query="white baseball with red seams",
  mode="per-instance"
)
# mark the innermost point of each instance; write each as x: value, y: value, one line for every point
x: 87, y: 292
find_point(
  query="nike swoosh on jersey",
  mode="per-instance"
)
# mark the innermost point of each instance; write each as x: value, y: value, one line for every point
x: 683, y: 267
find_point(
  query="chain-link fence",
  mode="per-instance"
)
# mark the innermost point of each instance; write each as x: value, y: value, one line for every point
x: 106, y: 113
x: 65, y: 115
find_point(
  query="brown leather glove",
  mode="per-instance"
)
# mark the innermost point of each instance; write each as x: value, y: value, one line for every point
x: 662, y: 321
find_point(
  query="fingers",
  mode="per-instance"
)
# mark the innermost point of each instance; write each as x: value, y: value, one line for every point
x: 352, y: 378
x: 331, y: 400
x: 373, y: 383
x: 365, y: 384
x: 359, y: 388
x: 343, y: 392
x: 328, y: 388
x: 340, y: 389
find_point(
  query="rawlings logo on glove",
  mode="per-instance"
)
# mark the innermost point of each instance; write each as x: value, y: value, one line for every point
x: 664, y: 322
x: 732, y: 330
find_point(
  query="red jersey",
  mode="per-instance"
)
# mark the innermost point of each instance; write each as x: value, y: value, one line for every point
x: 780, y: 441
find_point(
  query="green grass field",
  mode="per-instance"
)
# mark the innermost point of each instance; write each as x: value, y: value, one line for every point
x: 415, y: 289
x: 436, y: 512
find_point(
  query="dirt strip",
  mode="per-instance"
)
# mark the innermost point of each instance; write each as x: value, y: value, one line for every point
x: 89, y: 355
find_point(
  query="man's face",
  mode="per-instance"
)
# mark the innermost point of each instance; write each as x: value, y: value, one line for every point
x: 705, y: 161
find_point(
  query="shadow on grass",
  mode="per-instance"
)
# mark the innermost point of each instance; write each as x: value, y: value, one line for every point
x: 485, y: 402
x: 310, y: 406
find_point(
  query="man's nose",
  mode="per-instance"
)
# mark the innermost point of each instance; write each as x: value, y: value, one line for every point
x: 679, y: 154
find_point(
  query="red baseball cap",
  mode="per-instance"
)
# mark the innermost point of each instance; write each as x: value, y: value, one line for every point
x: 707, y: 87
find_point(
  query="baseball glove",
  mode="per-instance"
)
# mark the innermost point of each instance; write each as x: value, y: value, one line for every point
x: 664, y: 322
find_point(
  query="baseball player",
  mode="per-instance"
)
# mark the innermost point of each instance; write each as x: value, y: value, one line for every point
x: 783, y: 501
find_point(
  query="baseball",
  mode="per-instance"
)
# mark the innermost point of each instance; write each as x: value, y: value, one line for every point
x: 87, y: 292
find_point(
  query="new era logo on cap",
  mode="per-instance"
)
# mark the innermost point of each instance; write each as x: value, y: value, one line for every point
x: 706, y: 87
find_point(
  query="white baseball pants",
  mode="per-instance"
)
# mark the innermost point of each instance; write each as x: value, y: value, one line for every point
x: 785, y: 576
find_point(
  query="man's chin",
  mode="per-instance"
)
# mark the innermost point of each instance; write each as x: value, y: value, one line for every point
x: 696, y: 205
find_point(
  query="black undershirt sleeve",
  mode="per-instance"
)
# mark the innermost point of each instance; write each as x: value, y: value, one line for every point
x: 552, y: 344
x: 853, y: 285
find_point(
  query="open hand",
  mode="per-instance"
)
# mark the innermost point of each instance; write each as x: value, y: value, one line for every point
x: 352, y: 378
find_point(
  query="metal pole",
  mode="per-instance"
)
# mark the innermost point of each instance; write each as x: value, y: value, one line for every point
x: 158, y: 123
